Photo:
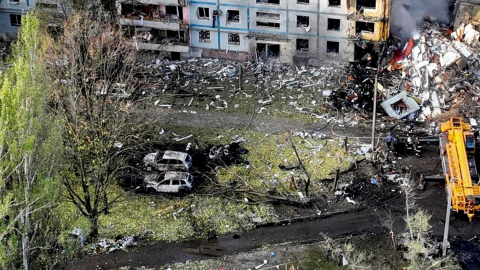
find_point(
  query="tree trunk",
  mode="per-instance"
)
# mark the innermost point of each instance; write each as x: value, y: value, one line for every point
x: 307, y: 185
x: 93, y: 226
x: 25, y: 250
x: 407, y: 208
x: 105, y: 201
x: 335, y: 182
x: 26, y: 217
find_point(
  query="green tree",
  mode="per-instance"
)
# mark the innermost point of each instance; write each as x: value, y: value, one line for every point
x: 422, y: 251
x: 92, y: 61
x: 28, y: 137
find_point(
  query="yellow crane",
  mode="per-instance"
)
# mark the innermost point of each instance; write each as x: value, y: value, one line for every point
x: 457, y: 151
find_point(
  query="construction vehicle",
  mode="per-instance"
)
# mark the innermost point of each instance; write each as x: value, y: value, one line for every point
x: 457, y: 152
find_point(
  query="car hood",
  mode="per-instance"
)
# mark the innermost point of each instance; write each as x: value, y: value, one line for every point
x: 149, y: 158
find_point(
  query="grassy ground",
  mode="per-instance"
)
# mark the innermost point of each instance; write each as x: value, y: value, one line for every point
x: 267, y: 151
x: 170, y: 218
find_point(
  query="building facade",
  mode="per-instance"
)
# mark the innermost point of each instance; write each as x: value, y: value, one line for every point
x: 11, y: 12
x: 301, y: 32
x: 293, y: 31
x: 160, y: 25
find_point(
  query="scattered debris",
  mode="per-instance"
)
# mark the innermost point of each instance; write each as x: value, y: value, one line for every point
x: 433, y: 74
x: 118, y: 145
x: 79, y: 234
x: 109, y: 245
x: 227, y: 154
x: 400, y: 106
x: 351, y: 201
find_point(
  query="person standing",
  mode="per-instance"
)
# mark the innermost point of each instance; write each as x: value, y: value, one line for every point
x: 396, y: 145
x: 389, y: 140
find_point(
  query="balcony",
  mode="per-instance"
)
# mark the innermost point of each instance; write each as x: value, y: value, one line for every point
x: 168, y: 47
x: 157, y: 23
x: 163, y: 2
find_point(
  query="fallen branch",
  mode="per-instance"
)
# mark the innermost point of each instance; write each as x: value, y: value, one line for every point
x: 352, y: 166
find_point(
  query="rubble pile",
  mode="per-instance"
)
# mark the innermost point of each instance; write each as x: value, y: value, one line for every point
x: 356, y: 91
x: 225, y: 155
x: 435, y: 72
x: 217, y: 80
x: 109, y: 245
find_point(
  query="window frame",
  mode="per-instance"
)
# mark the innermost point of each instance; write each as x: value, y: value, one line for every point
x: 266, y: 2
x: 305, y: 16
x: 339, y: 24
x: 228, y: 10
x: 304, y: 39
x: 358, y: 32
x: 266, y: 26
x: 204, y: 40
x: 331, y: 42
x: 204, y: 13
x: 234, y: 43
x: 267, y: 15
x: 18, y: 20
x: 303, y: 3
x: 339, y: 5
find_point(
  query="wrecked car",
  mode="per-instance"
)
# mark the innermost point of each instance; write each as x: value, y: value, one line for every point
x: 115, y: 94
x: 168, y: 182
x: 116, y: 91
x: 170, y: 161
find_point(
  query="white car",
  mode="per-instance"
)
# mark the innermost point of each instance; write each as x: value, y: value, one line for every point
x: 115, y: 92
x: 170, y: 161
x: 169, y: 182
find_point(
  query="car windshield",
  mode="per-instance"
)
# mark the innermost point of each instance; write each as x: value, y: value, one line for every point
x: 166, y: 182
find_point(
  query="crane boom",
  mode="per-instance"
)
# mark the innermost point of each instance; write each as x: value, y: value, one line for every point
x: 457, y: 151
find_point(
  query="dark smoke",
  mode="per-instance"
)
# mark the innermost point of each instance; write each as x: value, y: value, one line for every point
x: 407, y: 15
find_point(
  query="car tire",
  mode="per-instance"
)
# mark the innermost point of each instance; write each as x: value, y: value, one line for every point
x: 183, y: 191
x: 151, y: 190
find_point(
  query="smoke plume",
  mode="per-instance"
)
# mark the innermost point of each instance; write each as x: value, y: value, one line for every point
x: 407, y: 15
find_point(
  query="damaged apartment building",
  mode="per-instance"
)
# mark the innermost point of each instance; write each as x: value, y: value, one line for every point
x: 11, y: 12
x: 301, y: 32
x: 160, y: 25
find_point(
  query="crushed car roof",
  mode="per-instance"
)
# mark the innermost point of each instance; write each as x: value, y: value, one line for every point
x: 176, y: 175
x: 174, y: 155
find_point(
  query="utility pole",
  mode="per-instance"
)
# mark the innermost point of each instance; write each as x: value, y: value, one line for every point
x: 239, y: 77
x: 447, y: 219
x: 374, y: 112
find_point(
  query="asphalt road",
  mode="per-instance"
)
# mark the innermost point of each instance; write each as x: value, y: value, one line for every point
x: 342, y: 224
x: 158, y: 254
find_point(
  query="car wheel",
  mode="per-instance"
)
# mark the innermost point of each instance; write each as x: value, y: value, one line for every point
x: 151, y: 190
x: 183, y: 191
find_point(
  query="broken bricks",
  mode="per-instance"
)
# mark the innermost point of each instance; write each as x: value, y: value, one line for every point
x: 432, y: 66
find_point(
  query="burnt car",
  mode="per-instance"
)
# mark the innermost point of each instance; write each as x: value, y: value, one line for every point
x: 169, y: 161
x: 168, y: 182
